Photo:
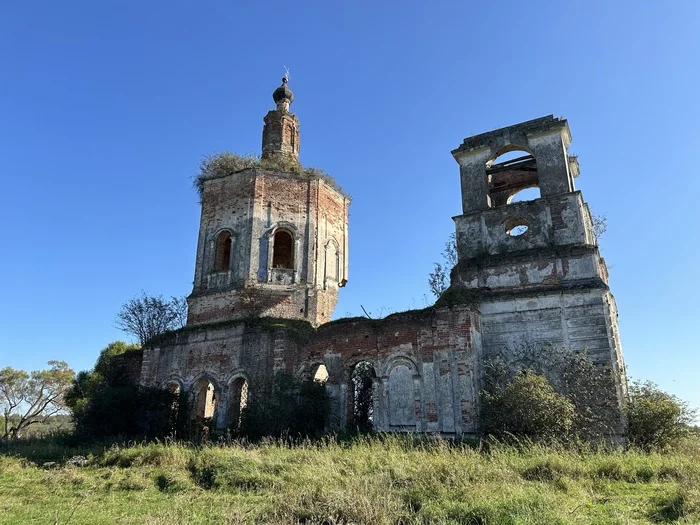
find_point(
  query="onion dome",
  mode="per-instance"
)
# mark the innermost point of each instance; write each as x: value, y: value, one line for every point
x: 283, y: 93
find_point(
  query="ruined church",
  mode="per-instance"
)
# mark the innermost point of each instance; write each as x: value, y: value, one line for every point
x: 272, y: 256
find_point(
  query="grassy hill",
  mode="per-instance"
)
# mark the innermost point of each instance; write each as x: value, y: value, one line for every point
x: 388, y: 480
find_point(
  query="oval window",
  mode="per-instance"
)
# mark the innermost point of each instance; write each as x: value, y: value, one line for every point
x: 516, y: 227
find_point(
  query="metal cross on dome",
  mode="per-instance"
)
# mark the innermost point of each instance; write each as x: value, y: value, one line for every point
x: 286, y: 73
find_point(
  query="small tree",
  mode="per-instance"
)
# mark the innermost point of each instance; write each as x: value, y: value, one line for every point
x: 107, y: 402
x: 600, y: 226
x: 439, y: 278
x: 30, y: 398
x: 656, y: 418
x: 283, y: 405
x: 527, y: 407
x: 149, y: 316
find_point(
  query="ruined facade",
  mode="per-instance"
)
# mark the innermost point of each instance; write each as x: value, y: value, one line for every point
x: 272, y: 255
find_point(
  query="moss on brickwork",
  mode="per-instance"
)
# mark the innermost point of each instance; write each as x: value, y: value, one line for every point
x: 227, y: 163
x: 299, y: 331
x: 382, y: 321
x: 457, y: 295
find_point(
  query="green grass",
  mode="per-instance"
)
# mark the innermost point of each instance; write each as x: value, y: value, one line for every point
x: 387, y: 480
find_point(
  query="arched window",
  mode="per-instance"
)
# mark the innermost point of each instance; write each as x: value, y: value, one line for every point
x: 362, y: 397
x: 223, y: 251
x: 205, y: 400
x: 526, y: 194
x: 510, y: 171
x: 174, y: 388
x: 320, y: 373
x: 283, y: 250
x: 238, y: 403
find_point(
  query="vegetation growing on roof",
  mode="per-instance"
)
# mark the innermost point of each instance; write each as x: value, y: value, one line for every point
x: 299, y: 330
x: 227, y: 163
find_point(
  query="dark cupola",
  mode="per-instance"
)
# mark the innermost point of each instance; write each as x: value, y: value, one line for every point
x: 283, y: 95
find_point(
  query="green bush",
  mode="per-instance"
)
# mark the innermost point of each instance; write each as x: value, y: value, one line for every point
x: 285, y: 406
x: 527, y: 407
x: 106, y: 402
x: 656, y: 418
x: 227, y: 163
x: 591, y: 388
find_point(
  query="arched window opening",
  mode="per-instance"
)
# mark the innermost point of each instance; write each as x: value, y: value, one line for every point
x: 320, y: 373
x: 526, y: 194
x: 512, y: 170
x: 223, y: 251
x: 362, y: 397
x: 283, y: 250
x: 239, y: 401
x: 206, y: 400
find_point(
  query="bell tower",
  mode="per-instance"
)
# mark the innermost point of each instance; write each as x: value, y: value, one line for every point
x: 534, y: 263
x: 273, y: 237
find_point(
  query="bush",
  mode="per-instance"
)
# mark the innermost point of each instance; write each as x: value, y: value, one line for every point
x: 656, y: 419
x: 283, y: 406
x: 106, y: 402
x: 592, y: 388
x: 227, y: 163
x: 126, y: 410
x: 527, y: 407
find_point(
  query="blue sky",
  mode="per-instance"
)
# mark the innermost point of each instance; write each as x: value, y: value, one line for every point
x: 106, y: 109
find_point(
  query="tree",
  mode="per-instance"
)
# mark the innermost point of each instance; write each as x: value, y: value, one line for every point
x: 600, y: 226
x: 439, y: 278
x: 149, y: 316
x: 107, y: 402
x: 30, y: 398
x: 656, y: 418
x: 527, y: 407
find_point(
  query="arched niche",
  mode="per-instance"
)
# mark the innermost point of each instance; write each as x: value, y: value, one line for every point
x: 222, y: 251
x: 331, y: 264
x: 401, y: 394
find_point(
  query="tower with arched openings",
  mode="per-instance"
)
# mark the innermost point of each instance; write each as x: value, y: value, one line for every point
x: 273, y: 237
x: 534, y: 264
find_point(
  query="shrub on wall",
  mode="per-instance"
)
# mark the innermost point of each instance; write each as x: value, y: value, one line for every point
x: 591, y: 389
x: 227, y: 163
x: 284, y: 405
x: 527, y: 407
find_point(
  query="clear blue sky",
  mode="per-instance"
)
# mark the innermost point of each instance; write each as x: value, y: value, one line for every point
x: 106, y: 109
